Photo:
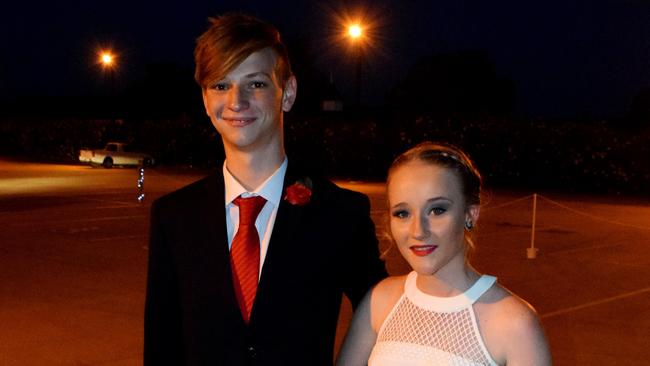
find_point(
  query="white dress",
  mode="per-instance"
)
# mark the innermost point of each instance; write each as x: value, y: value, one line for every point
x: 427, y: 330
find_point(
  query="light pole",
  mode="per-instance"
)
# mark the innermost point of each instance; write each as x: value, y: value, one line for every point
x: 356, y: 34
x: 108, y: 62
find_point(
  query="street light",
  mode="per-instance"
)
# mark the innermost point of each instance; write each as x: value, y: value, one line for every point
x: 107, y: 59
x: 355, y: 32
x: 359, y: 31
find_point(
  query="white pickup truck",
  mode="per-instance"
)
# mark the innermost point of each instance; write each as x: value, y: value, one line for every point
x: 114, y: 153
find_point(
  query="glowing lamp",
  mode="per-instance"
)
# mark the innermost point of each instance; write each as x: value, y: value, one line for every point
x: 354, y: 31
x: 106, y: 59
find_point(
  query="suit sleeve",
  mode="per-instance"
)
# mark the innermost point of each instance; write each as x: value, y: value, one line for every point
x: 162, y: 331
x: 364, y: 268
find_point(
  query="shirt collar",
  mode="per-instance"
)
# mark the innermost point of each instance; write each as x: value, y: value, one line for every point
x: 270, y: 189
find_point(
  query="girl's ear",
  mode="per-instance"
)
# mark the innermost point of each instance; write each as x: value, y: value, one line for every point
x: 472, y: 214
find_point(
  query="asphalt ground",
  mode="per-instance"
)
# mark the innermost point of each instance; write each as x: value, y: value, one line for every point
x: 73, y: 252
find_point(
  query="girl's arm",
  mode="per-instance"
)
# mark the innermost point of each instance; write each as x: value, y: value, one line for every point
x: 529, y: 345
x: 367, y: 320
x: 360, y: 338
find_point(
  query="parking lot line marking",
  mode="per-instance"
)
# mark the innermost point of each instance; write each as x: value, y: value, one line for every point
x: 580, y: 249
x: 134, y: 205
x: 119, y: 238
x: 594, y: 303
x: 111, y: 201
x: 81, y: 220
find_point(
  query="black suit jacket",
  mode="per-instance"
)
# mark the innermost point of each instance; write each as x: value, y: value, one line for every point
x: 316, y: 253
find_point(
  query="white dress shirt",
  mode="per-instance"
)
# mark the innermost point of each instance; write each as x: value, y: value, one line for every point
x: 271, y: 190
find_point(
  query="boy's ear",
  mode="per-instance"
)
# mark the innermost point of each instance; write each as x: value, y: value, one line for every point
x: 289, y: 93
x: 204, y: 94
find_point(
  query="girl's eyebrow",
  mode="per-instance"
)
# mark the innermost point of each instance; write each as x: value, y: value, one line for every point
x: 430, y: 200
x: 440, y: 198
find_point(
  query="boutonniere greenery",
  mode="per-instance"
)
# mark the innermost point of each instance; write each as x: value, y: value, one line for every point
x: 299, y: 193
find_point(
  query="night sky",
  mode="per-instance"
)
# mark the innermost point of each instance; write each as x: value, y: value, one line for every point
x: 565, y: 57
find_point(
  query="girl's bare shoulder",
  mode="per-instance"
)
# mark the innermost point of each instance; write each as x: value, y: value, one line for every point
x: 510, y: 326
x: 506, y: 307
x: 390, y: 287
x: 384, y: 297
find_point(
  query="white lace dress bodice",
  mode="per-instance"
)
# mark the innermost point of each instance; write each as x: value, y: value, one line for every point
x: 427, y: 330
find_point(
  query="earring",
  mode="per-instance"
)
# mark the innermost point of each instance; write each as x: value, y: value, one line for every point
x: 469, y: 225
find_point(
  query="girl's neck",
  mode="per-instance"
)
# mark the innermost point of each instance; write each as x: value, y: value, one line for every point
x: 448, y: 281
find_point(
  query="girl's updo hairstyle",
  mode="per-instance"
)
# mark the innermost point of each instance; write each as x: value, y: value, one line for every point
x: 447, y: 156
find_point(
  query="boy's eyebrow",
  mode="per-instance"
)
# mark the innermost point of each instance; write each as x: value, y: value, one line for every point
x: 258, y: 73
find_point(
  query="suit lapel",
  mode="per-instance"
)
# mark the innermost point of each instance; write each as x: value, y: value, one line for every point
x: 288, y: 218
x: 216, y: 260
x: 213, y: 219
x: 287, y: 223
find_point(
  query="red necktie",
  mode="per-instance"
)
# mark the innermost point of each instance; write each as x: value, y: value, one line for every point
x: 245, y: 253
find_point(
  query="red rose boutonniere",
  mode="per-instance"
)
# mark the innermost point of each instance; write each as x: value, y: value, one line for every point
x: 299, y: 193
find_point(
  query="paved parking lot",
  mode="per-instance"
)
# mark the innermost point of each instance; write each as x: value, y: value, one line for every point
x: 73, y: 255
